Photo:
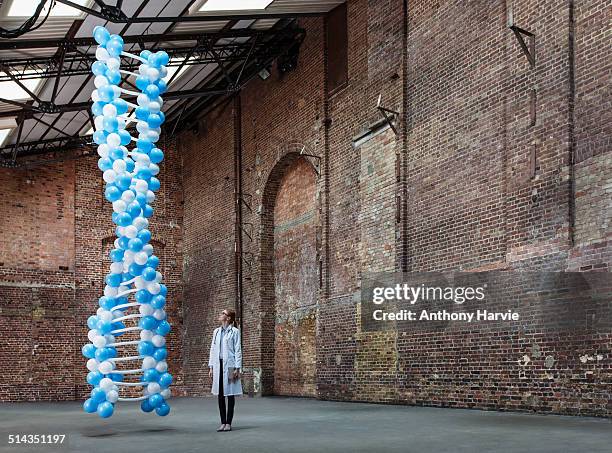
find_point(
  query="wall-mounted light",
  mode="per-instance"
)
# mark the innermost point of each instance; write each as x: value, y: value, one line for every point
x: 264, y: 73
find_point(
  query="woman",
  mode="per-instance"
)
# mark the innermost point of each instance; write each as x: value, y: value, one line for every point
x: 224, y: 365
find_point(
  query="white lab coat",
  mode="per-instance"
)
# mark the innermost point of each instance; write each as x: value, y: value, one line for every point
x: 232, y: 358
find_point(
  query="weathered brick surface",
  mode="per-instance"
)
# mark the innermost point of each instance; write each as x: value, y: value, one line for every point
x: 54, y: 258
x: 477, y: 198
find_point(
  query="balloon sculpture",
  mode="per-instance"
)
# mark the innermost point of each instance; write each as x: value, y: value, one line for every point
x: 130, y: 185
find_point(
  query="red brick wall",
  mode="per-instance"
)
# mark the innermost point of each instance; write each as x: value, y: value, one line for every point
x: 57, y: 231
x: 473, y: 200
x: 296, y: 277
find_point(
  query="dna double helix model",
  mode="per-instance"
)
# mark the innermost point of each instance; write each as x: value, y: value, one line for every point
x: 134, y: 369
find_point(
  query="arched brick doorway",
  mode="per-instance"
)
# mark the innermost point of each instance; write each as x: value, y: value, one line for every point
x: 290, y: 278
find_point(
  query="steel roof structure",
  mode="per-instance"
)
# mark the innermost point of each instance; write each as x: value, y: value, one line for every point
x: 45, y: 75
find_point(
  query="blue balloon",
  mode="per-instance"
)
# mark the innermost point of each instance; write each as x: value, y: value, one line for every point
x: 113, y: 280
x: 154, y: 120
x: 134, y: 209
x: 135, y: 245
x: 135, y: 269
x: 92, y: 322
x: 96, y: 108
x: 162, y: 410
x: 146, y: 406
x: 144, y: 145
x: 147, y: 323
x: 156, y: 400
x: 107, y: 303
x: 158, y: 301
x: 142, y: 296
x: 141, y: 198
x: 162, y: 85
x: 147, y: 211
x: 125, y: 137
x: 89, y: 350
x: 152, y: 91
x: 130, y: 164
x: 116, y: 255
x: 163, y: 328
x: 141, y: 82
x: 142, y: 113
x: 94, y: 378
x: 113, y: 76
x: 99, y: 137
x: 163, y: 289
x: 112, y: 193
x: 160, y: 353
x: 164, y: 58
x: 98, y: 395
x: 104, y: 163
x: 144, y: 235
x: 110, y: 124
x: 153, y: 260
x: 154, y: 61
x: 90, y: 406
x: 150, y: 375
x: 154, y: 184
x: 123, y: 242
x: 123, y: 182
x: 156, y: 155
x: 149, y: 274
x: 165, y: 379
x: 114, y: 46
x: 101, y: 35
x: 144, y: 173
x: 145, y: 348
x: 145, y: 54
x: 116, y: 377
x: 107, y: 93
x: 121, y: 106
x: 105, y: 409
x: 124, y: 219
x: 101, y: 354
x: 118, y: 325
x: 99, y: 68
x: 105, y: 327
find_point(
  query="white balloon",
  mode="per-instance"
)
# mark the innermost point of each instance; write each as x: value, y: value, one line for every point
x: 143, y: 159
x: 141, y: 185
x: 158, y: 277
x: 153, y: 74
x: 121, y: 232
x: 140, y: 222
x: 142, y: 100
x: 119, y: 166
x: 103, y: 150
x: 142, y: 127
x: 118, y: 314
x: 159, y: 314
x: 106, y: 316
x: 113, y: 140
x: 148, y: 362
x: 106, y: 384
x: 166, y: 393
x: 131, y: 231
x: 146, y: 335
x: 163, y: 72
x: 154, y: 107
x: 113, y: 63
x: 153, y: 287
x: 158, y: 341
x: 140, y: 282
x: 128, y: 196
x: 99, y: 341
x: 153, y: 136
x: 154, y: 169
x: 146, y: 310
x: 95, y: 96
x: 109, y: 291
x: 100, y: 81
x: 122, y: 289
x: 116, y: 90
x: 119, y: 206
x: 109, y: 338
x: 162, y: 366
x: 102, y: 54
x: 143, y: 69
x: 148, y: 249
x: 141, y: 258
x: 153, y: 387
x: 99, y: 311
x: 112, y: 396
x: 116, y: 268
x: 92, y: 334
x: 109, y: 176
x: 99, y: 123
x: 92, y: 365
x: 120, y: 124
x: 150, y: 196
x: 105, y: 367
x: 109, y: 110
x: 129, y: 254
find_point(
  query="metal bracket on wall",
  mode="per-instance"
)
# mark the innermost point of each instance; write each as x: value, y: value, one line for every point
x: 245, y: 203
x: 248, y: 262
x: 247, y: 232
x: 318, y: 159
x: 520, y: 33
x: 388, y: 114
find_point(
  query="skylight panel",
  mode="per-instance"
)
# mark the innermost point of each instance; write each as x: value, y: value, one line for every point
x: 4, y: 133
x: 10, y: 90
x: 172, y: 70
x: 26, y: 8
x: 234, y: 5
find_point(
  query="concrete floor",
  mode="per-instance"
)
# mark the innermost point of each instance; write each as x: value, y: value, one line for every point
x: 278, y: 424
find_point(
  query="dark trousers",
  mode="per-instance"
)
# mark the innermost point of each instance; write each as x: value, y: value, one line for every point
x: 226, y: 417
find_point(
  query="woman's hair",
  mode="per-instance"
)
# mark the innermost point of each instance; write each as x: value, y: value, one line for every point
x: 231, y: 314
